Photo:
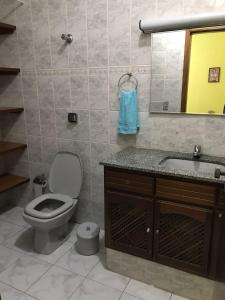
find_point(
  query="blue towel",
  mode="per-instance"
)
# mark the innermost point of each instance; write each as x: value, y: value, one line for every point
x: 128, y: 116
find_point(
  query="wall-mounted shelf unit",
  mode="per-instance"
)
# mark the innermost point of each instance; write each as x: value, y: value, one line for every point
x: 6, y: 28
x: 9, y: 71
x: 6, y: 110
x: 6, y: 147
x: 8, y: 182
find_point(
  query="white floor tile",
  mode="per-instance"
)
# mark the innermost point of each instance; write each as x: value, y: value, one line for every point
x: 175, y: 297
x: 9, y: 293
x: 14, y: 215
x: 77, y: 263
x: 54, y: 256
x: 24, y: 243
x: 33, y: 271
x: 146, y: 292
x: 128, y: 297
x: 91, y: 290
x: 7, y: 230
x: 57, y: 284
x: 7, y: 257
x: 24, y: 272
x: 106, y: 277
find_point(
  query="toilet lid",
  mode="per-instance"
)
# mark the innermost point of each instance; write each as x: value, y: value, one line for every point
x: 66, y: 174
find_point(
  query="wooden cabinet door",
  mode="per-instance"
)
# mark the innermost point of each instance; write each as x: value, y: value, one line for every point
x: 129, y: 223
x: 182, y: 236
x: 217, y: 265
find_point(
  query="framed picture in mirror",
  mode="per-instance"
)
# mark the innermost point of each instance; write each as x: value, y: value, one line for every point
x: 214, y: 74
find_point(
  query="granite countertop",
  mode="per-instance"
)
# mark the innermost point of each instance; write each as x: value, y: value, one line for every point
x: 148, y: 160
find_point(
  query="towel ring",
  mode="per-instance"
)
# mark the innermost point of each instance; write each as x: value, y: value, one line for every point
x: 129, y: 75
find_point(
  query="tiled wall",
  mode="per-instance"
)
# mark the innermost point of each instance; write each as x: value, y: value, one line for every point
x: 82, y: 77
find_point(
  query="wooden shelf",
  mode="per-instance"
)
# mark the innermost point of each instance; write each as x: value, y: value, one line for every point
x: 5, y: 110
x: 6, y: 28
x: 9, y: 71
x: 6, y: 147
x: 8, y: 182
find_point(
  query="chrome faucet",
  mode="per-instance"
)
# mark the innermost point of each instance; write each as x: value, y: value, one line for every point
x: 197, y: 151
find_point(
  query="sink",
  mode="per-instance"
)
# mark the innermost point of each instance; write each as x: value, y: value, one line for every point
x: 192, y: 165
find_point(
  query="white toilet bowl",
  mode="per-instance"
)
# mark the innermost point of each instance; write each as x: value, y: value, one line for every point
x: 49, y: 214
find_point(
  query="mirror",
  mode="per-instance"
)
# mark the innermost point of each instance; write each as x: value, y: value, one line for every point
x: 188, y: 72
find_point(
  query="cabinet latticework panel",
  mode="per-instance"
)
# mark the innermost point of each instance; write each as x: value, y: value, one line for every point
x: 182, y: 238
x: 129, y: 225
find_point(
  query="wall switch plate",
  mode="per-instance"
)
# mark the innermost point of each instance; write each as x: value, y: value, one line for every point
x: 72, y: 117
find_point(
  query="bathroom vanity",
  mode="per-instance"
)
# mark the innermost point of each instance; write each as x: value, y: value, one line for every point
x: 169, y: 216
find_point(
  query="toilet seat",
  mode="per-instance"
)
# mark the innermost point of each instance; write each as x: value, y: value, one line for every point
x: 61, y: 202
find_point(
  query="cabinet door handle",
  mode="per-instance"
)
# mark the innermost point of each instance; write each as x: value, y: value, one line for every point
x: 157, y: 231
x: 148, y: 230
x: 220, y: 215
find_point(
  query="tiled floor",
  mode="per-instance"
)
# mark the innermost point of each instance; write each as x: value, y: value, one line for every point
x: 62, y: 275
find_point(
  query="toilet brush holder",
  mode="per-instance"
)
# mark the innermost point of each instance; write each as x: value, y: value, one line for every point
x: 39, y: 185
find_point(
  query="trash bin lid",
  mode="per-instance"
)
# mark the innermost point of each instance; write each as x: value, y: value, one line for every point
x: 88, y: 230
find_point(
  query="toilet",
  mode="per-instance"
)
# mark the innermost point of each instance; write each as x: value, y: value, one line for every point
x: 50, y: 213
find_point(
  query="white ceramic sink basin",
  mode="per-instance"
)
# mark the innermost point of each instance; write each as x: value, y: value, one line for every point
x: 192, y: 165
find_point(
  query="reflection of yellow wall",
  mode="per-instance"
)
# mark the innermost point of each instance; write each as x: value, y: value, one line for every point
x: 207, y: 50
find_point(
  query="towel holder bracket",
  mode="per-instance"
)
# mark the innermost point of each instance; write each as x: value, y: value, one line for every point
x: 130, y: 75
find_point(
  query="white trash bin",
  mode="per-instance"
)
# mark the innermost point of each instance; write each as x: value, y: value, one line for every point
x: 88, y: 238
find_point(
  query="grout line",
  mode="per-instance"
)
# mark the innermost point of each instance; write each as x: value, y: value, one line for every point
x: 123, y: 292
x: 52, y: 75
x: 108, y: 70
x: 77, y: 288
x: 35, y: 75
x: 67, y: 27
x: 22, y: 92
x: 86, y: 67
x: 13, y: 262
x: 6, y: 221
x: 49, y: 34
x: 127, y: 283
x: 89, y: 141
x: 15, y: 289
x: 32, y: 297
x: 37, y: 90
x: 130, y: 47
x: 156, y: 8
x: 50, y: 266
x: 68, y: 57
x: 132, y: 296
